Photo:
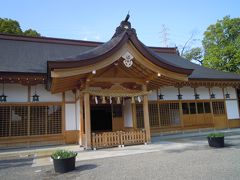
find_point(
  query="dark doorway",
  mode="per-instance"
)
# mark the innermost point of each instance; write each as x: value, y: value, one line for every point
x: 101, y: 117
x: 238, y: 97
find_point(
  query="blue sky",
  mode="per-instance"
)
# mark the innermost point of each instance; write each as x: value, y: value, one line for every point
x: 96, y: 20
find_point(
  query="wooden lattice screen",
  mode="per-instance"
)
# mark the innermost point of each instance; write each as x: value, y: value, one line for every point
x: 218, y: 107
x: 160, y: 114
x: 153, y: 114
x: 169, y: 114
x: 139, y: 115
x: 24, y: 120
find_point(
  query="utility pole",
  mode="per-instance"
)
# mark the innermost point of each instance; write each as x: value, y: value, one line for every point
x: 164, y: 35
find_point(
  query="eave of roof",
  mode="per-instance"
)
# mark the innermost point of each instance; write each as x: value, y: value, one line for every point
x: 42, y: 39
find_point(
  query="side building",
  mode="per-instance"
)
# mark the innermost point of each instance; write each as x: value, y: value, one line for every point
x: 59, y: 91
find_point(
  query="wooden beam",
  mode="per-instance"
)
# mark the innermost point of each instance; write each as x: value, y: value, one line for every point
x: 117, y: 80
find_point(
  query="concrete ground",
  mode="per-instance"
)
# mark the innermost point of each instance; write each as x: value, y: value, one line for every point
x: 181, y: 156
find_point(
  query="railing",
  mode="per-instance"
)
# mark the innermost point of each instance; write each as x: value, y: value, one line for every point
x: 118, y: 138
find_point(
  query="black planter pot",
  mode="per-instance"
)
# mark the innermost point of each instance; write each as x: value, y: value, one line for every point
x: 64, y: 165
x: 217, y: 142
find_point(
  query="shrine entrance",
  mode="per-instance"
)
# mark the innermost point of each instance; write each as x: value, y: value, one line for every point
x: 101, y: 117
x: 120, y: 72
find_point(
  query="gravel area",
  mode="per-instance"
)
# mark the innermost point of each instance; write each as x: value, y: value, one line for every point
x: 190, y: 162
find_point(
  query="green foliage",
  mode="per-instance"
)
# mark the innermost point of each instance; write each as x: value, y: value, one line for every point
x: 31, y: 32
x: 9, y: 26
x: 63, y: 154
x: 222, y: 45
x: 194, y: 54
x: 214, y: 135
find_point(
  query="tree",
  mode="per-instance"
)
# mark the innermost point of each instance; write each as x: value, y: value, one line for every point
x: 31, y: 32
x: 221, y: 45
x: 194, y: 54
x: 9, y: 26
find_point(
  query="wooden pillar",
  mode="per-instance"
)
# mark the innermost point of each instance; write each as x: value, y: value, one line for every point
x: 63, y: 113
x: 146, y: 115
x: 87, y: 121
x: 134, y: 116
x: 81, y: 120
x: 211, y: 106
x: 181, y: 110
x: 225, y: 107
x: 29, y: 114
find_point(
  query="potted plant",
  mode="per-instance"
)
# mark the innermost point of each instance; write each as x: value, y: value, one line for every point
x: 216, y: 140
x: 64, y: 160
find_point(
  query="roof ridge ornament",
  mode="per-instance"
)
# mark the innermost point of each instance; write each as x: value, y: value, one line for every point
x: 125, y: 25
x: 127, y: 17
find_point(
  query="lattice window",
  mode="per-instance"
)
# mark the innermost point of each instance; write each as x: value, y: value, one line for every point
x: 38, y: 120
x: 164, y: 114
x: 200, y: 108
x: 192, y: 107
x: 169, y: 114
x: 54, y: 123
x: 174, y: 114
x: 139, y: 115
x: 4, y: 121
x: 19, y: 120
x: 218, y: 107
x: 23, y: 120
x: 153, y: 114
x: 185, y: 108
x: 207, y: 107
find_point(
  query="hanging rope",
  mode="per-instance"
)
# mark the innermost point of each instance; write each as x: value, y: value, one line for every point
x: 116, y: 93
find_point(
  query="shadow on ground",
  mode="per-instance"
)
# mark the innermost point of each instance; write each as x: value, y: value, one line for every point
x: 79, y: 168
x: 15, y: 162
x: 85, y: 167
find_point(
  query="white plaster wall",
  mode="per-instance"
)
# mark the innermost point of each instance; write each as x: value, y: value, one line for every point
x: 218, y: 92
x: 231, y: 91
x: 169, y: 92
x: 78, y: 114
x: 232, y: 109
x: 203, y: 92
x: 127, y: 114
x: 187, y: 92
x: 15, y: 92
x: 70, y: 117
x: 45, y: 95
x: 69, y: 96
x: 153, y: 96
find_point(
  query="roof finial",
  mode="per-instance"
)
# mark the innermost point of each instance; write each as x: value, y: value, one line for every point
x: 127, y: 17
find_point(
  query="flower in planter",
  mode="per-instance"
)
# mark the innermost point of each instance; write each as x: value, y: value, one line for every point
x: 216, y: 140
x: 63, y: 154
x: 215, y: 135
x: 64, y: 161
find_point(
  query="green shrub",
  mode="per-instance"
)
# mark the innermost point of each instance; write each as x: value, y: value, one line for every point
x: 63, y: 154
x: 213, y: 135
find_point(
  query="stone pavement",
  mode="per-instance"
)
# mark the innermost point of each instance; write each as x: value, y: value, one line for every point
x: 177, y: 156
x: 167, y: 142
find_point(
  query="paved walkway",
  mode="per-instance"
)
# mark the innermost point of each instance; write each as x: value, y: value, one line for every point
x: 167, y: 142
x: 181, y: 156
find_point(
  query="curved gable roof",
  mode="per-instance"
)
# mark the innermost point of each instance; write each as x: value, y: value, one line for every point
x: 122, y: 35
